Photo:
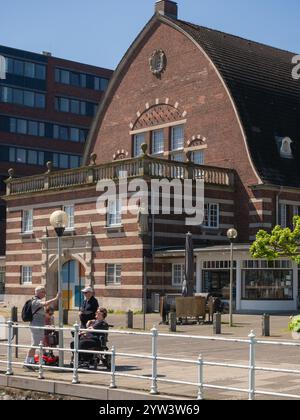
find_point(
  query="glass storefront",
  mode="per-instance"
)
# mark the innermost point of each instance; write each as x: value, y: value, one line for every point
x: 267, y: 280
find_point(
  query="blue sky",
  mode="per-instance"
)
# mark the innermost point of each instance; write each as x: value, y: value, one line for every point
x: 99, y: 32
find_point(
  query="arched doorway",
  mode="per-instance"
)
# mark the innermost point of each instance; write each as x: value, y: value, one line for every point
x: 73, y: 280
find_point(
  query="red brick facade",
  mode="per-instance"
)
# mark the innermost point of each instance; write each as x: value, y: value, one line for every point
x: 189, y: 92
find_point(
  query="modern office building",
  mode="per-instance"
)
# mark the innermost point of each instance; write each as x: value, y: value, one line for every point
x: 46, y: 108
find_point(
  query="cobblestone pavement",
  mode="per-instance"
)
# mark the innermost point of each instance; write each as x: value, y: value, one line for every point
x: 182, y: 348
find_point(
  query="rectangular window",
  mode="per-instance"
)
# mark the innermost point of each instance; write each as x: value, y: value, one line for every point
x: 138, y: 140
x: 18, y: 96
x: 40, y: 100
x: 177, y: 274
x: 114, y: 216
x: 21, y: 155
x: 75, y: 106
x: 29, y: 70
x: 64, y: 133
x: 178, y: 157
x: 12, y: 154
x: 177, y: 138
x: 12, y: 125
x: 103, y: 83
x: 64, y: 105
x: 74, y: 162
x: 26, y: 275
x: 113, y: 274
x: 21, y: 126
x: 29, y: 99
x: 158, y: 146
x: 18, y: 67
x: 41, y: 158
x: 82, y: 80
x: 64, y: 161
x: 22, y: 97
x: 33, y: 128
x: 198, y: 157
x: 27, y: 221
x: 75, y: 79
x: 32, y: 157
x: 268, y: 284
x: 70, y: 212
x: 211, y: 215
x: 40, y: 71
x: 64, y: 77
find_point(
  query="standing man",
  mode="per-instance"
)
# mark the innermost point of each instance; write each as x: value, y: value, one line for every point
x: 89, y: 307
x: 38, y: 320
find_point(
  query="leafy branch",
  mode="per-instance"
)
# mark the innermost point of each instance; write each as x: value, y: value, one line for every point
x: 281, y: 242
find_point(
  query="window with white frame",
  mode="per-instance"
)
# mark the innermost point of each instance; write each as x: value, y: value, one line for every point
x: 197, y: 157
x: 211, y: 215
x: 70, y: 212
x: 287, y: 213
x: 27, y: 221
x: 177, y: 274
x: 138, y: 140
x: 158, y: 142
x: 177, y: 137
x: 26, y: 275
x: 113, y: 274
x: 114, y: 216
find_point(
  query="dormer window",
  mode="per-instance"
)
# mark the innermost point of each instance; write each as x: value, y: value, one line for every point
x: 285, y: 148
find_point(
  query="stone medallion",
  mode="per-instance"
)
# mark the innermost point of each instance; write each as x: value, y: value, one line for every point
x: 158, y: 62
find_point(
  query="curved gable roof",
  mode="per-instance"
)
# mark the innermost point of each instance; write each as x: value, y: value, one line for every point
x: 267, y: 98
x: 259, y: 80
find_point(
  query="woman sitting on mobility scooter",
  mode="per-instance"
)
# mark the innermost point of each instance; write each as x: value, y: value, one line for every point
x: 94, y: 341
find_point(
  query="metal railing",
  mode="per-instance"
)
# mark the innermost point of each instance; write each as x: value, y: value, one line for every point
x: 252, y: 391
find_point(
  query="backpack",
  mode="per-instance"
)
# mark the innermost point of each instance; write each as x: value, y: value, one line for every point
x: 27, y: 315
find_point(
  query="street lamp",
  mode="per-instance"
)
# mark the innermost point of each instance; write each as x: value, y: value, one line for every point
x: 232, y: 234
x: 59, y: 221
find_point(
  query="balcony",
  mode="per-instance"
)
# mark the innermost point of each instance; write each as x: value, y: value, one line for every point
x: 144, y: 166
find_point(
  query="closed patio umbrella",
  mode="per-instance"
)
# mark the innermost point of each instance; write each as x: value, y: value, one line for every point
x: 189, y: 265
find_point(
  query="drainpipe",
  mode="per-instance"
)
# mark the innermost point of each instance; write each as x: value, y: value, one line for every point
x: 153, y: 237
x: 278, y: 194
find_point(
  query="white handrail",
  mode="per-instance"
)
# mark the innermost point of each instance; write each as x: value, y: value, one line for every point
x: 154, y: 379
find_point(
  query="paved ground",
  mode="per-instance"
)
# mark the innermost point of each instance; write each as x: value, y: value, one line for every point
x: 183, y: 348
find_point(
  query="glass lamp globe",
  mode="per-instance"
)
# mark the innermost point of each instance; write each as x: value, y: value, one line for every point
x: 59, y: 219
x: 232, y: 234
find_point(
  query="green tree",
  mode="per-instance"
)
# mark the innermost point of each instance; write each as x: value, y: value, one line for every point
x: 281, y: 242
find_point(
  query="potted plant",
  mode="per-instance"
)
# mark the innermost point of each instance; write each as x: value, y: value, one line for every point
x: 294, y: 327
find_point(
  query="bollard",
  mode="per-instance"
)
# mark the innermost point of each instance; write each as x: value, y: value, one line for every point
x: 172, y: 321
x: 130, y: 319
x: 266, y: 325
x: 14, y: 318
x: 217, y: 323
x: 14, y: 314
x: 65, y: 317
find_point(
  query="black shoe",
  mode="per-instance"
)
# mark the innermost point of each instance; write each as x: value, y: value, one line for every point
x: 29, y: 367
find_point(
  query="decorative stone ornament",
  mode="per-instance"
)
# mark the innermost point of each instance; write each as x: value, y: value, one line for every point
x: 158, y: 62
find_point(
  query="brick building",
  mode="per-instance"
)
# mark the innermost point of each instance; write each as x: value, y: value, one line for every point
x: 46, y: 108
x: 208, y: 105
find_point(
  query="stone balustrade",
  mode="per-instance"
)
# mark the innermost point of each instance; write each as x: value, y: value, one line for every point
x: 143, y: 166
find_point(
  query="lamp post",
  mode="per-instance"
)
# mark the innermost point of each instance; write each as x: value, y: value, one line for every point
x: 59, y: 221
x: 232, y: 234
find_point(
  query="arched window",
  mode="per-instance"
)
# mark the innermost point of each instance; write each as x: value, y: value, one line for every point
x: 285, y: 149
